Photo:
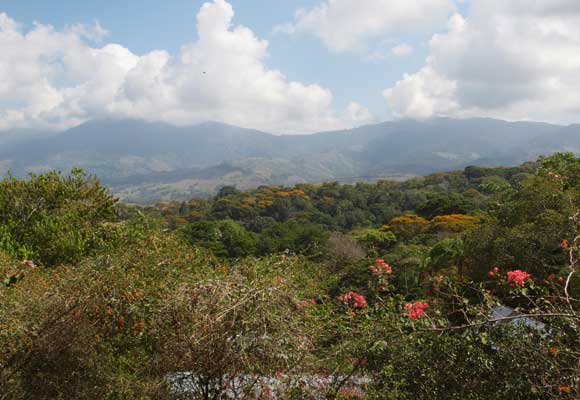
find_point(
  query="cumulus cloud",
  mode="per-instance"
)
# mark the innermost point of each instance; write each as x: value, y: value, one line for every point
x: 57, y: 79
x: 510, y: 59
x: 349, y: 25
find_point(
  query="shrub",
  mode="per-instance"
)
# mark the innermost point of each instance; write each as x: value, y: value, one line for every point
x: 222, y: 330
x: 376, y: 242
x: 54, y: 218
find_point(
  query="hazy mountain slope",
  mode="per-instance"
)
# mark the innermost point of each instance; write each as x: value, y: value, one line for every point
x: 122, y: 148
x: 157, y: 160
x: 442, y: 143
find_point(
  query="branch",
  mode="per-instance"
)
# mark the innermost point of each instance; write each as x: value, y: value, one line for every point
x: 493, y: 320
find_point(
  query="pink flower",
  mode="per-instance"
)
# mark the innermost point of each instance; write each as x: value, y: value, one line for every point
x: 564, y: 244
x: 354, y: 299
x: 552, y: 277
x: 416, y: 309
x: 496, y: 269
x: 491, y: 273
x: 381, y: 268
x: 306, y: 303
x: 518, y: 277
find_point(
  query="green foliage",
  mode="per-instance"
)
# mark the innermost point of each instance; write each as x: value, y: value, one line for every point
x: 446, y: 253
x: 225, y: 238
x: 444, y: 204
x: 260, y: 286
x: 376, y: 242
x: 295, y: 236
x: 412, y: 261
x: 564, y: 167
x: 525, y: 230
x: 53, y: 218
x: 496, y: 362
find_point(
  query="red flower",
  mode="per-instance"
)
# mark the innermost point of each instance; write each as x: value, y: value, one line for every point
x: 306, y: 303
x: 491, y: 273
x: 416, y: 309
x: 381, y: 268
x: 354, y: 299
x: 518, y: 277
x: 552, y: 277
x: 564, y: 244
x: 553, y: 350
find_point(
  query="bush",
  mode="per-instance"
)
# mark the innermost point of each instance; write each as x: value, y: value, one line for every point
x: 376, y: 242
x: 121, y: 323
x: 221, y: 334
x: 53, y: 218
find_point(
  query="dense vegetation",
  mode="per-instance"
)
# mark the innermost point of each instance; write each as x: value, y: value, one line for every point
x: 459, y: 285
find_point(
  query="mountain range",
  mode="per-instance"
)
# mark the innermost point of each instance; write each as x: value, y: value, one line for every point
x: 145, y: 161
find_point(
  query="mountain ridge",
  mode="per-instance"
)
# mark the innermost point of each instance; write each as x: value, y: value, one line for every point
x: 148, y: 161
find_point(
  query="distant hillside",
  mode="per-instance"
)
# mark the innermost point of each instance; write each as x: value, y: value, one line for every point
x: 145, y: 161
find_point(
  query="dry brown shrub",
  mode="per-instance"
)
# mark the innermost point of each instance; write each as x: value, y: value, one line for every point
x: 219, y: 331
x: 344, y: 248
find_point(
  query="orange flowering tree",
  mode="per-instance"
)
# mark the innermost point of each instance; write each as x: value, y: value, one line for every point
x: 408, y: 226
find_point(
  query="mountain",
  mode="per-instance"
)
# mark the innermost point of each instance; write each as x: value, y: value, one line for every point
x: 144, y: 161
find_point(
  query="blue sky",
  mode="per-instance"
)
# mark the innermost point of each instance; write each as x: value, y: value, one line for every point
x: 343, y: 62
x: 145, y: 25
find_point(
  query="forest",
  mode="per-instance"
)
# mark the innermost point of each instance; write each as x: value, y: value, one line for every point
x: 456, y: 285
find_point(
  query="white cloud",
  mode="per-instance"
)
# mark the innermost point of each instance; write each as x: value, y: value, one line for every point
x: 52, y: 79
x: 358, y: 114
x: 509, y: 59
x: 402, y: 50
x: 349, y: 25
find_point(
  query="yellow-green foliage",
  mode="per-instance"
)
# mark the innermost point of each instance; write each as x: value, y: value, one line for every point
x: 453, y: 222
x: 407, y: 226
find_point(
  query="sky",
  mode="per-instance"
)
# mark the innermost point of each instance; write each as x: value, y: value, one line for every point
x: 292, y: 66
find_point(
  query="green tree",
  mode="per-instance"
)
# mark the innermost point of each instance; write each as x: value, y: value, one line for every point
x: 375, y: 241
x: 225, y: 238
x: 445, y: 204
x: 295, y: 236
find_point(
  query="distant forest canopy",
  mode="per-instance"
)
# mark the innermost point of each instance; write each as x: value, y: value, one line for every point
x: 344, y: 207
x: 368, y: 289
